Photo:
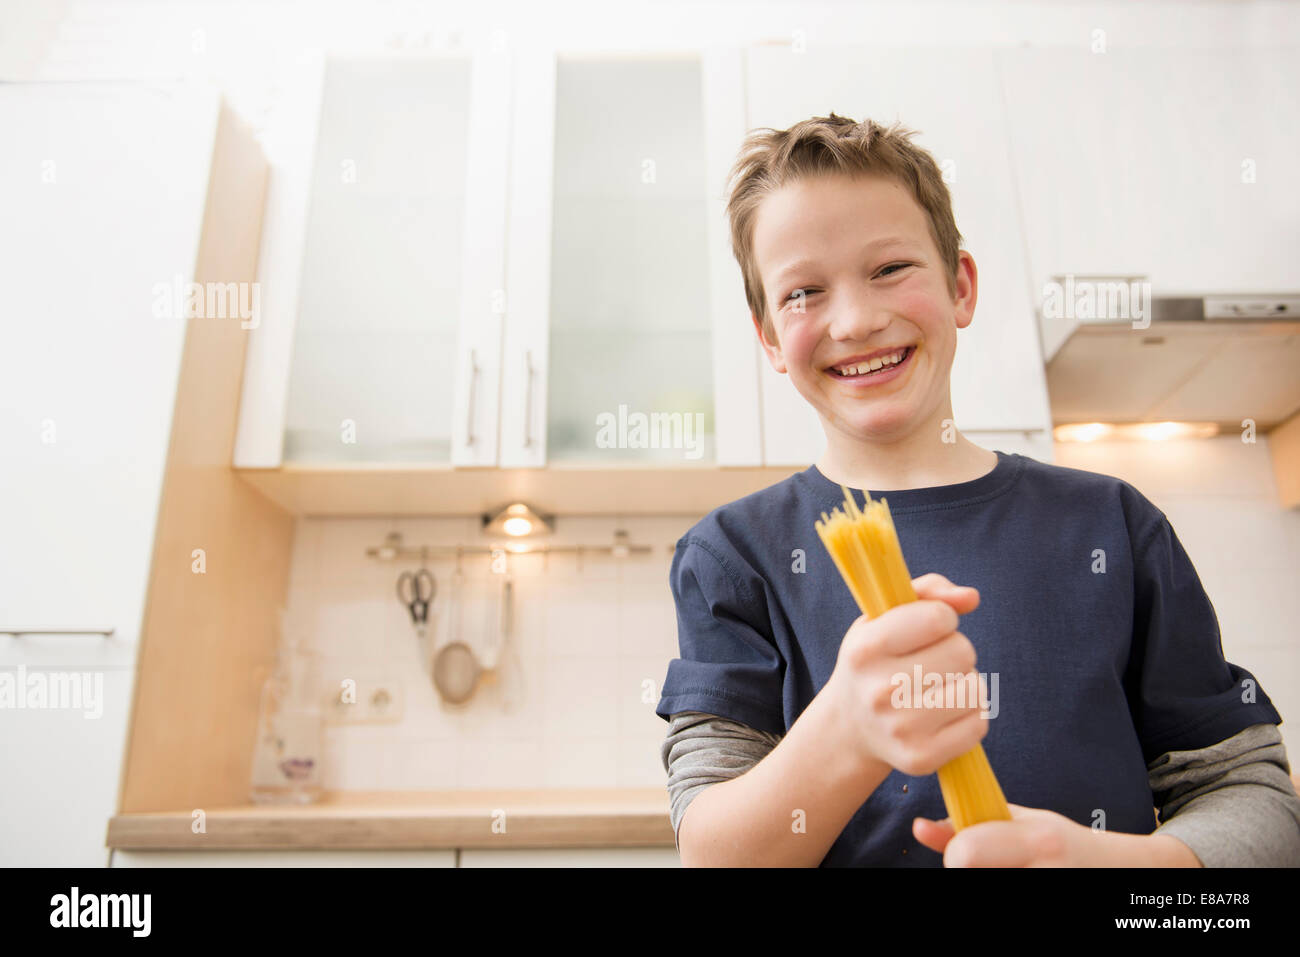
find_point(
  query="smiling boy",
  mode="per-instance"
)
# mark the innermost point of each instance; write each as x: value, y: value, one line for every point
x: 785, y: 742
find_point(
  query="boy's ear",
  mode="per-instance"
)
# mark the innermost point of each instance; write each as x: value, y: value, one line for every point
x: 967, y: 289
x: 774, y: 355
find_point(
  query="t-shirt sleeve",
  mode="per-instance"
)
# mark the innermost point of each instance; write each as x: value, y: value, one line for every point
x: 729, y: 664
x: 1183, y: 694
x: 702, y: 750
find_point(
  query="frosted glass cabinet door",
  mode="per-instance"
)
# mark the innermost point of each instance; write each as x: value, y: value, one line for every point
x: 609, y: 346
x: 374, y: 358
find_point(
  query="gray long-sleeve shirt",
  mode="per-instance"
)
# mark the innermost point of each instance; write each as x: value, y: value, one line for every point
x: 1232, y: 803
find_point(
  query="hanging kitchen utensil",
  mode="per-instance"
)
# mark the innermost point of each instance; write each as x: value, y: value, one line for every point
x: 416, y: 591
x: 456, y: 668
x: 507, y: 665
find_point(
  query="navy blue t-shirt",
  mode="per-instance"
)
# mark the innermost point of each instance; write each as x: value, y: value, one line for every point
x: 1105, y: 646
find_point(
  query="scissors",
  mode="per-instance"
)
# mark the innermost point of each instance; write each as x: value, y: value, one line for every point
x: 416, y: 591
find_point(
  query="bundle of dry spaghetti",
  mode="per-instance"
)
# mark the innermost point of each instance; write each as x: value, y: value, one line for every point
x: 864, y: 547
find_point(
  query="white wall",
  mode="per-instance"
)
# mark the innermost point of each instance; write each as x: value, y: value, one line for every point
x: 247, y: 45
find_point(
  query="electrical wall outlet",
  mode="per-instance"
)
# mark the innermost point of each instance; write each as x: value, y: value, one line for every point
x: 365, y: 699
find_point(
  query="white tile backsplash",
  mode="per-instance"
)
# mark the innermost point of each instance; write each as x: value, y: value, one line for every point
x: 563, y: 708
x: 510, y: 762
x: 580, y: 696
x: 640, y: 679
x: 427, y: 762
x: 589, y: 761
x: 646, y: 623
x: 582, y: 618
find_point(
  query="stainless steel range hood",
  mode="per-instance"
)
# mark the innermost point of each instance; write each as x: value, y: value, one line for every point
x: 1213, y: 358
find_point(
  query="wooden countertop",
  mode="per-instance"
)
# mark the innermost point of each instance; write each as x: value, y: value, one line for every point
x: 615, y: 817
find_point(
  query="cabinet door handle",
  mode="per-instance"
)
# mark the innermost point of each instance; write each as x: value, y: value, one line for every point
x: 473, y: 378
x: 528, y: 400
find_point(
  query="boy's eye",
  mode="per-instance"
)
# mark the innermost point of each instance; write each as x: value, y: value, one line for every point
x: 889, y: 270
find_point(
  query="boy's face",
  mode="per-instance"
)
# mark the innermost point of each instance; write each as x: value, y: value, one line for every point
x: 872, y: 279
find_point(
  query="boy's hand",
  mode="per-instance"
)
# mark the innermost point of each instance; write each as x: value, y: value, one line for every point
x: 916, y: 741
x: 1032, y: 838
x: 1035, y: 837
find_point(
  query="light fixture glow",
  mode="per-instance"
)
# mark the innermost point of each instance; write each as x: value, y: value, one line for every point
x: 1134, y: 431
x: 517, y: 520
x: 1082, y: 432
x: 517, y: 526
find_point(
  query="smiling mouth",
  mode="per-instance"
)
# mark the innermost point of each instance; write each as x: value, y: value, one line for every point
x: 863, y: 371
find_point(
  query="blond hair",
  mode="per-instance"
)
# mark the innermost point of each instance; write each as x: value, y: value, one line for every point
x: 822, y: 145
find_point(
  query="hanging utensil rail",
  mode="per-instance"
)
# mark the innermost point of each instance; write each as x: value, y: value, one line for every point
x: 393, y: 550
x: 410, y: 552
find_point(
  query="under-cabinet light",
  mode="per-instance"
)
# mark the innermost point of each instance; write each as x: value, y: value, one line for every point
x: 1133, y: 431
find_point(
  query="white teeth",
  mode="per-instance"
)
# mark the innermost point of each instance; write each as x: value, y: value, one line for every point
x: 873, y: 364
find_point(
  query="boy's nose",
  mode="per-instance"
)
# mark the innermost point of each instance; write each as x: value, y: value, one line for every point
x: 857, y: 320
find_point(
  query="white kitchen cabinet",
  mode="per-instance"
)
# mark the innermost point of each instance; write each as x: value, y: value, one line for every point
x: 951, y: 97
x: 104, y: 188
x: 593, y: 265
x: 571, y: 204
x: 1173, y: 164
x: 624, y: 297
x: 382, y: 263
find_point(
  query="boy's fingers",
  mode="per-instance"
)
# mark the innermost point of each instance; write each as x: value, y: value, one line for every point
x: 961, y: 598
x: 934, y: 585
x: 931, y: 579
x: 933, y: 834
x: 943, y: 825
x: 991, y: 844
x: 911, y: 626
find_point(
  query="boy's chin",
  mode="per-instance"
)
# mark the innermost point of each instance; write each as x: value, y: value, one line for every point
x: 886, y: 417
x: 875, y: 426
